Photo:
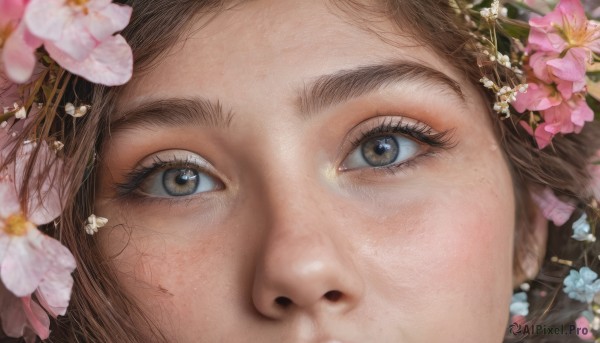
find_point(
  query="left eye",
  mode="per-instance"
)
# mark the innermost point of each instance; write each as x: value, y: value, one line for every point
x: 381, y: 151
x: 178, y: 182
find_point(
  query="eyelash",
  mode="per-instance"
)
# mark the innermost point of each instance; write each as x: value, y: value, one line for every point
x: 418, y: 131
x: 136, y: 177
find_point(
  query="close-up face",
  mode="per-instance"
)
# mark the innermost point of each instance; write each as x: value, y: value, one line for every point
x: 288, y: 173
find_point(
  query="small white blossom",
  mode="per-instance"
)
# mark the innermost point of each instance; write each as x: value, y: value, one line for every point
x: 522, y: 88
x: 504, y: 60
x: 491, y: 13
x: 58, y: 145
x: 70, y: 109
x: 21, y: 113
x: 501, y: 107
x: 93, y: 223
x: 76, y: 112
x: 487, y: 83
x: 504, y: 90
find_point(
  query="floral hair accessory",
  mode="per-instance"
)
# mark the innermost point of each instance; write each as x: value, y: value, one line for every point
x: 538, y: 58
x: 44, y: 44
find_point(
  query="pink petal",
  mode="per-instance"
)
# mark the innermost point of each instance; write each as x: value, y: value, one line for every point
x: 539, y: 63
x: 76, y: 41
x: 54, y: 291
x: 110, y: 64
x: 581, y: 112
x: 552, y: 208
x: 571, y: 8
x: 112, y: 18
x: 542, y: 136
x: 45, y: 202
x: 24, y: 264
x: 558, y: 119
x: 38, y: 319
x: 11, y: 10
x: 20, y: 315
x: 8, y: 199
x: 47, y: 19
x: 18, y: 57
x: 537, y: 98
x: 572, y: 66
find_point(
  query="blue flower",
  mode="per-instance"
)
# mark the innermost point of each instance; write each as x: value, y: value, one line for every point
x: 582, y: 285
x: 581, y: 229
x: 519, y: 305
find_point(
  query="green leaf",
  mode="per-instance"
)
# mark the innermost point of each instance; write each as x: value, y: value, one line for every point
x: 594, y: 105
x: 515, y: 28
x: 594, y: 75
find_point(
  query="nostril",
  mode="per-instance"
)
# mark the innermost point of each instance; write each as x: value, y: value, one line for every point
x: 283, y: 301
x: 333, y: 296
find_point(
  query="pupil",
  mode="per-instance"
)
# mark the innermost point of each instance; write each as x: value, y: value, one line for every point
x: 382, y: 148
x: 380, y: 151
x: 184, y: 176
x: 180, y: 182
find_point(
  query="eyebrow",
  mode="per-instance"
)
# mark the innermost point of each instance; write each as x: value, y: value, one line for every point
x: 329, y: 90
x: 174, y: 112
x: 317, y: 95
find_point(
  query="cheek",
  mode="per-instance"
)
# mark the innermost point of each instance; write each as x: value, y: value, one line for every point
x: 446, y: 252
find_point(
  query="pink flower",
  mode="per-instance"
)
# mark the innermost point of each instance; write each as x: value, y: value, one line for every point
x: 565, y: 27
x: 567, y: 72
x: 22, y: 317
x: 542, y: 137
x: 568, y: 117
x: 29, y: 260
x: 552, y: 208
x: 78, y: 34
x: 16, y: 43
x: 539, y: 96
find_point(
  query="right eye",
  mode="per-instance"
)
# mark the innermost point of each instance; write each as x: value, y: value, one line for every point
x: 178, y: 181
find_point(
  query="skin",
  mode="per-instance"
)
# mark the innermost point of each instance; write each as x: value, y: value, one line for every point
x: 419, y: 255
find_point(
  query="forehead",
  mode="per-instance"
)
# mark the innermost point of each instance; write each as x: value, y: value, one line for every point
x: 274, y: 45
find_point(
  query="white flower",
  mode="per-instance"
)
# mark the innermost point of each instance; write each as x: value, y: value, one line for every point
x: 501, y: 107
x: 21, y: 113
x: 76, y: 112
x: 70, y: 109
x: 491, y: 13
x: 487, y: 83
x: 523, y: 88
x: 93, y: 223
x: 504, y: 60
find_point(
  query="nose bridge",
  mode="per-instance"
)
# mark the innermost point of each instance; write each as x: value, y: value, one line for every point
x: 303, y: 264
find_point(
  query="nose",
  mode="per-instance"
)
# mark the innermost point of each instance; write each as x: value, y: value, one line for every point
x: 305, y: 264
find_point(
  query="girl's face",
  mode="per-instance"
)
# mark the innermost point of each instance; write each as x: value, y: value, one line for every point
x: 284, y: 174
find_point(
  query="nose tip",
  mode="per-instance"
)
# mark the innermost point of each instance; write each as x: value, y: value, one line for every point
x: 308, y: 275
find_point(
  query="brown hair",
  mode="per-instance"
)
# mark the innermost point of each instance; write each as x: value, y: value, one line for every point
x: 101, y: 312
